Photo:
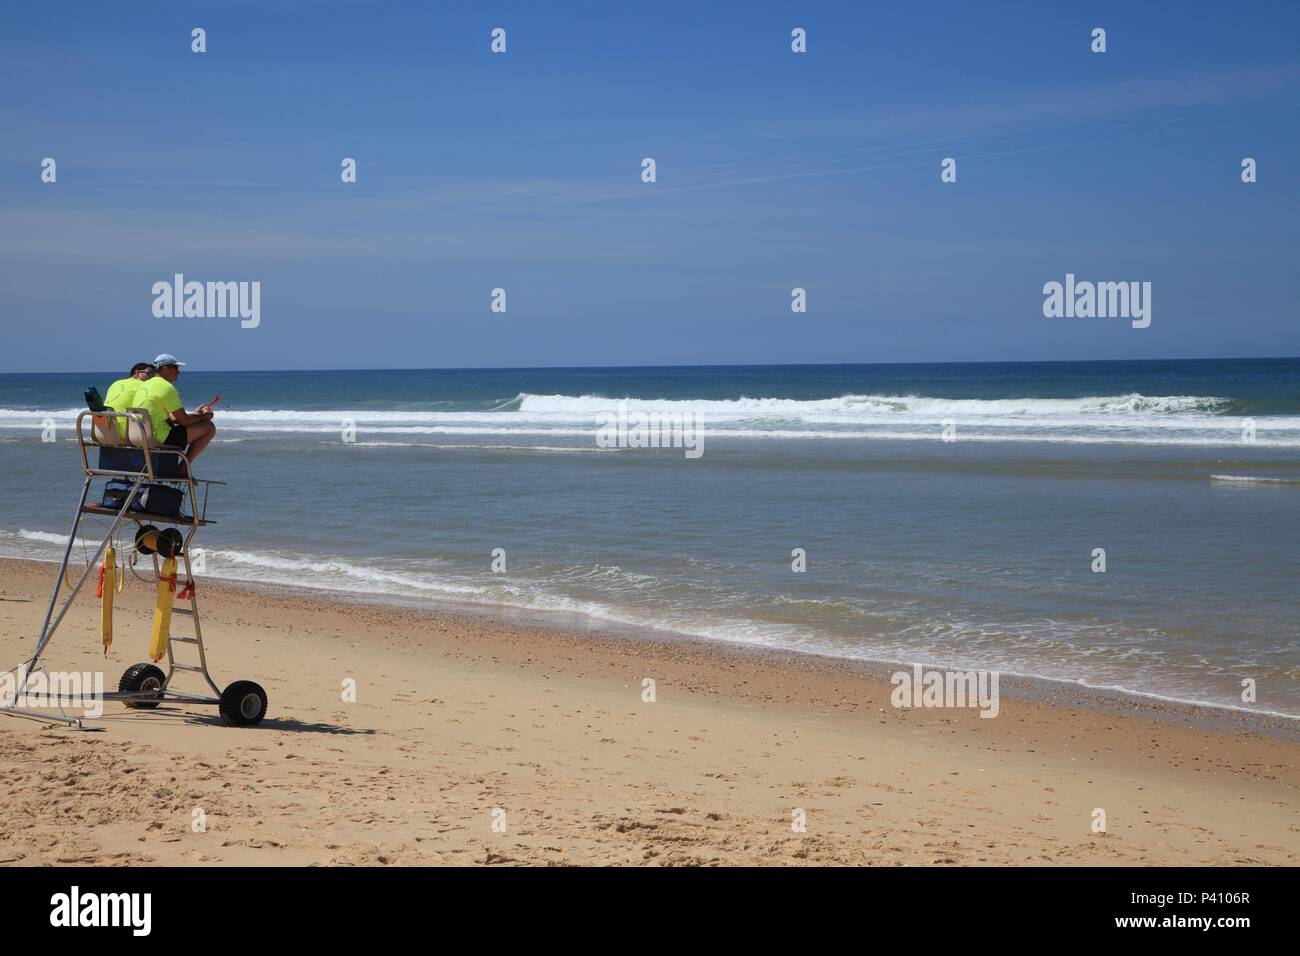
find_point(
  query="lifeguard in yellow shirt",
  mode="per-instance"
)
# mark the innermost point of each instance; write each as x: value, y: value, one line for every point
x: 123, y: 393
x: 173, y: 426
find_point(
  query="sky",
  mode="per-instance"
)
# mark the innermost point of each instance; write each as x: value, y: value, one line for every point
x: 523, y: 171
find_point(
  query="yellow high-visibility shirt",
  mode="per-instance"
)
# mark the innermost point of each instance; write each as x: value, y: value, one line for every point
x: 160, y: 398
x: 122, y: 395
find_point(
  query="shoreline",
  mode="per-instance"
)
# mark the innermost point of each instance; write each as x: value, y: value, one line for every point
x: 1054, y: 691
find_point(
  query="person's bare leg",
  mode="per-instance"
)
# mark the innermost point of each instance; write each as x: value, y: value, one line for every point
x: 200, y: 435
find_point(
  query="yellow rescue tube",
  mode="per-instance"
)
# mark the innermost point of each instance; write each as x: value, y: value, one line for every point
x: 162, y: 611
x: 108, y: 583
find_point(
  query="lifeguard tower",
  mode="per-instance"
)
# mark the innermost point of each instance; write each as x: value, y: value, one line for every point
x: 137, y: 471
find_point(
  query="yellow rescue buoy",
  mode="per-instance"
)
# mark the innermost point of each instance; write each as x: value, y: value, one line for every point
x: 162, y: 611
x: 107, y: 583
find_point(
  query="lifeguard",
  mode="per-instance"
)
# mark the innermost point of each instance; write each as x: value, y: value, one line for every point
x: 173, y: 426
x: 123, y: 393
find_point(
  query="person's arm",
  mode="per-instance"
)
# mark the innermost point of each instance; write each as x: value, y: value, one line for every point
x: 176, y: 413
x: 182, y: 417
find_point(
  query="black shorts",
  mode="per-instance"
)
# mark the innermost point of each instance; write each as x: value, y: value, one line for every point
x: 177, y: 438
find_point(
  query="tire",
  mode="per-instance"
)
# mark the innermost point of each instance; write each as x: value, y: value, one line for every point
x: 142, y: 537
x: 243, y: 704
x: 141, y: 678
x: 170, y: 542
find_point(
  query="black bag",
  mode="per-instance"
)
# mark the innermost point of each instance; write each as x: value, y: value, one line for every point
x: 159, y: 500
x: 115, y: 492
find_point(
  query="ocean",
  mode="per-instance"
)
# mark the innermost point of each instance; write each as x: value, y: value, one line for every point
x: 948, y: 515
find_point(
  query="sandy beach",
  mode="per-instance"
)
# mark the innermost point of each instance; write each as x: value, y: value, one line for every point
x: 463, y: 719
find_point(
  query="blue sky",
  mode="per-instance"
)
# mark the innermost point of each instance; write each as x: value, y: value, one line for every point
x: 522, y: 171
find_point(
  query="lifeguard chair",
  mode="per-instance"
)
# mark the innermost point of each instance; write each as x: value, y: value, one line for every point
x: 137, y: 469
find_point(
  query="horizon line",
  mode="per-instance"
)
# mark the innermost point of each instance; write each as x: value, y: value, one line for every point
x: 700, y: 365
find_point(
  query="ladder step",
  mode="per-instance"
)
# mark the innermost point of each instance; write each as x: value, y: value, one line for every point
x: 185, y: 640
x: 183, y: 610
x: 187, y: 667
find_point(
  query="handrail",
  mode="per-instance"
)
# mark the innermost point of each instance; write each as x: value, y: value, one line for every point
x: 110, y: 414
x: 147, y: 450
x: 200, y: 509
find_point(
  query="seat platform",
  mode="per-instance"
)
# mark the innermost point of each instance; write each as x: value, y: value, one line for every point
x: 145, y: 516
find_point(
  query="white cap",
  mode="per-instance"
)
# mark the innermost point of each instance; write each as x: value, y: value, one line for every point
x: 167, y: 359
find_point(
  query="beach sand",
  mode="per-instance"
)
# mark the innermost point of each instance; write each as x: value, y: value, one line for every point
x: 461, y: 719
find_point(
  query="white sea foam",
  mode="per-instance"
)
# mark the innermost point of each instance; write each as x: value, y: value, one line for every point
x: 858, y: 407
x: 47, y: 537
x: 1256, y: 480
x: 1132, y: 419
x: 550, y: 449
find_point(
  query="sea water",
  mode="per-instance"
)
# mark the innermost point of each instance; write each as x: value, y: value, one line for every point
x: 950, y: 515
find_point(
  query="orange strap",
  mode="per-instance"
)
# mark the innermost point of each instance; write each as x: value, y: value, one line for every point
x: 171, y: 581
x: 186, y: 592
x: 99, y: 588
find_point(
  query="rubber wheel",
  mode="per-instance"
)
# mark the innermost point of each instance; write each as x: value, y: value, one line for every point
x: 243, y: 704
x: 141, y: 678
x: 170, y: 542
x: 146, y: 533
